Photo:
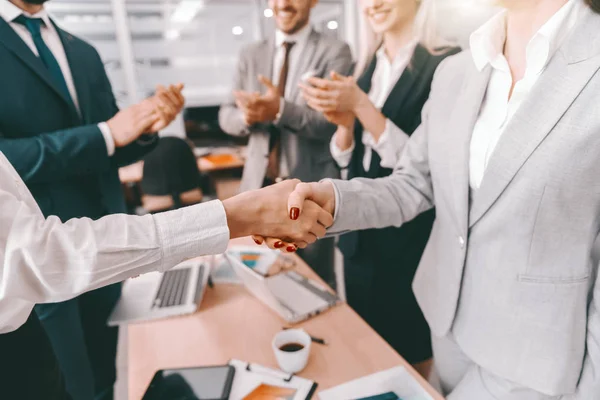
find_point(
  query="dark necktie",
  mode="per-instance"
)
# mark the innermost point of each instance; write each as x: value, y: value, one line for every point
x: 34, y: 26
x: 275, y: 139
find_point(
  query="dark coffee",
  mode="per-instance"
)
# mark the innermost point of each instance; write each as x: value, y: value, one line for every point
x: 291, y: 347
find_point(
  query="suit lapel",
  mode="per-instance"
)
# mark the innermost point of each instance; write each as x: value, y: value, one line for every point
x: 265, y: 61
x: 79, y: 75
x: 307, y: 57
x: 461, y: 128
x: 11, y: 40
x: 558, y: 87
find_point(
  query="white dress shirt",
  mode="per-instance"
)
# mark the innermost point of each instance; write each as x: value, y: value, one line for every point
x: 300, y: 38
x: 392, y: 140
x: 44, y: 260
x: 9, y: 12
x: 487, y: 44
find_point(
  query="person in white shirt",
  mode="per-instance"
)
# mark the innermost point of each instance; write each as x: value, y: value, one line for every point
x: 508, y: 153
x: 287, y: 139
x: 375, y: 117
x: 45, y: 260
x: 61, y: 129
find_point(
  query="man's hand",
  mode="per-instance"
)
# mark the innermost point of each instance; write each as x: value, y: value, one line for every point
x: 259, y: 108
x: 150, y: 115
x: 168, y: 103
x: 321, y: 193
x: 265, y: 212
x: 128, y: 124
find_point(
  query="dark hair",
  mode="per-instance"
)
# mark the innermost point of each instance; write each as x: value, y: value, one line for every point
x: 595, y: 4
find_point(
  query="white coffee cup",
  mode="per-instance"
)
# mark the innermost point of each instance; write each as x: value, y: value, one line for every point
x: 292, y: 361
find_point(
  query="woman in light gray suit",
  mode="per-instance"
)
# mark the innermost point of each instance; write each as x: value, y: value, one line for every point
x: 509, y: 153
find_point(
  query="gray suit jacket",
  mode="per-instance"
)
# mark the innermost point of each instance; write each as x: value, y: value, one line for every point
x: 305, y: 134
x: 509, y: 271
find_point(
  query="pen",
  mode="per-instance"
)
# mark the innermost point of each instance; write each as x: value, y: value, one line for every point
x: 312, y: 338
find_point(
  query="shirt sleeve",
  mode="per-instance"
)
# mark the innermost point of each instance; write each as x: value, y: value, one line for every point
x: 390, y: 144
x: 45, y: 260
x: 108, y: 138
x: 341, y: 157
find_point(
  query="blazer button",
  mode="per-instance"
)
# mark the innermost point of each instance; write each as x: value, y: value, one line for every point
x: 461, y: 241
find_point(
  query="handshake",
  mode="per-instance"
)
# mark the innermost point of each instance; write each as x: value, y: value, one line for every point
x: 285, y: 216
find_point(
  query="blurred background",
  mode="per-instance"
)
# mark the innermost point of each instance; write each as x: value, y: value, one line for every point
x: 148, y: 42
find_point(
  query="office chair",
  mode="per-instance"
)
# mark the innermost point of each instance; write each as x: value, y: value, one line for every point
x: 171, y: 178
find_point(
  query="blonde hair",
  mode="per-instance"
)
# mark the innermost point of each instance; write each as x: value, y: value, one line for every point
x: 425, y: 30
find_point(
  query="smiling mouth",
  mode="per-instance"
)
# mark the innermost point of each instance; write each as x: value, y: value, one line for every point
x: 286, y: 14
x: 379, y: 14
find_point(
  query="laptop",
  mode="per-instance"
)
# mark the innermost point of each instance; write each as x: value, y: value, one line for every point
x: 294, y: 297
x: 158, y: 295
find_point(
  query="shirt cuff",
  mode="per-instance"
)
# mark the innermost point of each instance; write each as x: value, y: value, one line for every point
x: 390, y: 144
x: 108, y: 138
x: 280, y: 113
x: 336, y: 197
x: 341, y: 157
x: 192, y: 232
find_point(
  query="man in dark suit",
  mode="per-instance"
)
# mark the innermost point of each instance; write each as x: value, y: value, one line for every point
x: 61, y: 129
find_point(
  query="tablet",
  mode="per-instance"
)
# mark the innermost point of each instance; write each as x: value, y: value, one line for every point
x: 202, y: 383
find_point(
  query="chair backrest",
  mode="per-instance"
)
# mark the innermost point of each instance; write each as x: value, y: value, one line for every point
x: 171, y: 178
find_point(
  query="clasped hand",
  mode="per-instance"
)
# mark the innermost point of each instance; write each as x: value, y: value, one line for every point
x: 308, y: 213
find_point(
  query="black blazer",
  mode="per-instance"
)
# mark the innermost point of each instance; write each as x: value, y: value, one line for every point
x: 403, y: 107
x: 60, y: 154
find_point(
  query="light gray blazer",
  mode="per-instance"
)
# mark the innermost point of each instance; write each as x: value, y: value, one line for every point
x: 509, y: 271
x: 305, y: 134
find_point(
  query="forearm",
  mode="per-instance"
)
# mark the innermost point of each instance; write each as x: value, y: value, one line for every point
x: 52, y: 156
x: 55, y: 261
x: 370, y: 117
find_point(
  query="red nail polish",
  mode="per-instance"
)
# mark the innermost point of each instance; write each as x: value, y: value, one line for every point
x: 294, y: 213
x: 278, y: 245
x: 291, y: 249
x: 258, y: 242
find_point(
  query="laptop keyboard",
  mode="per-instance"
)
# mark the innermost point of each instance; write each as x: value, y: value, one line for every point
x: 173, y: 287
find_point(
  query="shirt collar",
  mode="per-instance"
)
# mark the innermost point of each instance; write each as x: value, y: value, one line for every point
x: 9, y: 12
x: 299, y: 37
x: 487, y: 43
x: 403, y: 54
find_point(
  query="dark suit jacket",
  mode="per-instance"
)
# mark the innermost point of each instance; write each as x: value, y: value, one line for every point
x: 61, y: 155
x: 401, y: 246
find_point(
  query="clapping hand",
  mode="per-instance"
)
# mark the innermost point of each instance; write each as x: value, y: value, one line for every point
x: 258, y: 108
x: 340, y: 94
x: 167, y: 104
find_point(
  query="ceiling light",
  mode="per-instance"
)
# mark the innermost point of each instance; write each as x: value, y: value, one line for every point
x: 172, y: 34
x: 237, y: 30
x: 186, y: 10
x: 333, y: 25
x: 268, y: 13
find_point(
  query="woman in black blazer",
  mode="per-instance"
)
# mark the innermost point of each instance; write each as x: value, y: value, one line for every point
x: 375, y: 116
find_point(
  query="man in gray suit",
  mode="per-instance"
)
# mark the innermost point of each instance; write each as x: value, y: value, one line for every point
x: 508, y: 281
x: 287, y: 139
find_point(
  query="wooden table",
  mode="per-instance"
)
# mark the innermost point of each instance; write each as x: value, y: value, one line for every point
x: 233, y: 324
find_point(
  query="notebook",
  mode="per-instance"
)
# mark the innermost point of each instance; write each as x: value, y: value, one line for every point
x: 396, y: 382
x: 255, y: 382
